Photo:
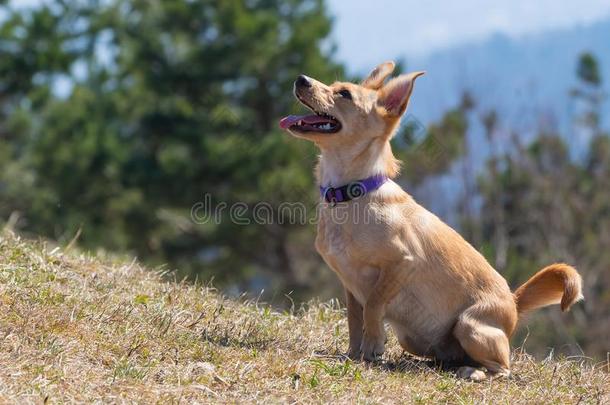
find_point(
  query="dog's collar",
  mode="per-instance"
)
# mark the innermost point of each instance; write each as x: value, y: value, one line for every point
x: 356, y: 189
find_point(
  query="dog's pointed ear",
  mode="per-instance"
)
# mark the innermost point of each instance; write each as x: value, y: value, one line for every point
x: 394, y: 96
x: 375, y: 79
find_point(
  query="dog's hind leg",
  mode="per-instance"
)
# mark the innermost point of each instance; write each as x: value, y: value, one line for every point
x: 485, y: 342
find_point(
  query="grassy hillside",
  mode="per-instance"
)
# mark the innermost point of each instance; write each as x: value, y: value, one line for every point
x: 80, y: 328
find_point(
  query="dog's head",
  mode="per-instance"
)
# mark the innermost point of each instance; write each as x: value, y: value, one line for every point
x: 348, y: 112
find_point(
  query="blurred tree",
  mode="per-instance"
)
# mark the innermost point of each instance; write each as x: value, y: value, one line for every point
x: 428, y: 152
x: 163, y: 102
x: 540, y: 206
x: 588, y: 69
x: 589, y: 93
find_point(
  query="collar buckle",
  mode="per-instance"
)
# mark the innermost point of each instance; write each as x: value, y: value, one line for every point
x: 333, y: 196
x: 350, y: 191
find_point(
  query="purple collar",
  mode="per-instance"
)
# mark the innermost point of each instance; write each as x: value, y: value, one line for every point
x: 334, y: 195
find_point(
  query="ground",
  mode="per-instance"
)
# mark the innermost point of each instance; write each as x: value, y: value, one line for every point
x: 83, y: 328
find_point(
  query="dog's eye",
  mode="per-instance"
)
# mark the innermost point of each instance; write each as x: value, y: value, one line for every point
x: 345, y: 94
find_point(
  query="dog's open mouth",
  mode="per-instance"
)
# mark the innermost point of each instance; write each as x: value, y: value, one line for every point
x: 322, y: 123
x: 318, y: 122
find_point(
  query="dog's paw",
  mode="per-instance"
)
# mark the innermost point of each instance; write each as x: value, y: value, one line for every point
x: 354, y: 353
x: 372, y: 350
x: 502, y: 373
x: 471, y: 373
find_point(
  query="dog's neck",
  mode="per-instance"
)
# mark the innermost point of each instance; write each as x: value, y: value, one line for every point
x: 340, y: 166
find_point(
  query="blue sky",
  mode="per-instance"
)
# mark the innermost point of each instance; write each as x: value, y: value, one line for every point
x: 368, y: 32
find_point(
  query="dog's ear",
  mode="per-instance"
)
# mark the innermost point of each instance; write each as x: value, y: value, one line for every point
x: 375, y: 79
x: 394, y: 96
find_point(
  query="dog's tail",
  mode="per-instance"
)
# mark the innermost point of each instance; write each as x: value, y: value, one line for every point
x: 555, y: 284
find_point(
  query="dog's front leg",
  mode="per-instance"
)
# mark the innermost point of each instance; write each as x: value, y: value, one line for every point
x: 373, y: 340
x: 354, y: 324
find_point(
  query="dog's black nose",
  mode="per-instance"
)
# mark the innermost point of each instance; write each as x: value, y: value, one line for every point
x: 302, y: 81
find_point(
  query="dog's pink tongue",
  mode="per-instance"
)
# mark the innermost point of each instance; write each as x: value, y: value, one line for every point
x: 290, y: 120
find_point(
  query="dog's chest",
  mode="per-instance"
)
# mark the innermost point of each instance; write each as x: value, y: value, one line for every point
x: 349, y: 253
x: 343, y: 240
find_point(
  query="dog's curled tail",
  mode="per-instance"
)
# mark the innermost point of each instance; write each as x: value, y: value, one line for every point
x: 558, y: 283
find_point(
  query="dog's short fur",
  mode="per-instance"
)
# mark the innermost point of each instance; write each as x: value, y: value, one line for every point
x: 405, y: 266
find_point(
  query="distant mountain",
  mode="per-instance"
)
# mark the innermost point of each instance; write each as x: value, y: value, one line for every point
x: 527, y: 80
x: 522, y: 77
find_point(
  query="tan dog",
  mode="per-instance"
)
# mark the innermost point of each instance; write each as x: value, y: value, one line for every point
x: 397, y: 261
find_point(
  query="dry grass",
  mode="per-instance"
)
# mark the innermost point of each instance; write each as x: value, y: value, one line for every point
x: 81, y: 329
